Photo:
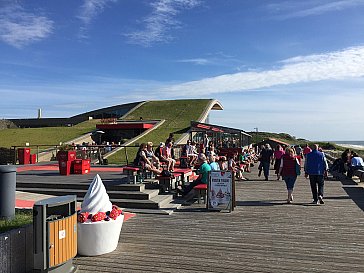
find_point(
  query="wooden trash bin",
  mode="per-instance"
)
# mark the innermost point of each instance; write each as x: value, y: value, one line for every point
x: 55, y: 234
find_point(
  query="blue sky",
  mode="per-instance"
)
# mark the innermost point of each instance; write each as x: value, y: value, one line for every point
x: 281, y: 66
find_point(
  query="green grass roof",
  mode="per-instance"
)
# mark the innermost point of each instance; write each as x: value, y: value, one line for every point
x: 177, y: 114
x: 45, y: 135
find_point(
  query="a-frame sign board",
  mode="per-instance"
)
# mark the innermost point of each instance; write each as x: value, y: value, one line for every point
x: 221, y: 191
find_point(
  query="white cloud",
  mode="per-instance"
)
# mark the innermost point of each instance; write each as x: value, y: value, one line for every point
x: 217, y: 59
x: 197, y: 61
x: 160, y: 21
x: 316, y: 111
x: 289, y: 10
x: 348, y: 63
x: 19, y: 28
x: 91, y: 8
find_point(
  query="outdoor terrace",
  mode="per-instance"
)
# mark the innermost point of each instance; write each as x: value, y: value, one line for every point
x: 263, y: 234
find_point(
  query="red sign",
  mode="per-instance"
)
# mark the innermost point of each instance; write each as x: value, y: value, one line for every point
x: 108, y: 120
x: 207, y: 127
x: 217, y: 130
x: 203, y: 126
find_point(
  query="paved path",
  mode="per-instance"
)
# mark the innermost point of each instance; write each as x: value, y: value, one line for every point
x: 263, y: 234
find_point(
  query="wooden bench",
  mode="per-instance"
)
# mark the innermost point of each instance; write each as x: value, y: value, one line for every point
x: 201, y: 190
x: 360, y: 174
x: 168, y: 183
x: 134, y: 174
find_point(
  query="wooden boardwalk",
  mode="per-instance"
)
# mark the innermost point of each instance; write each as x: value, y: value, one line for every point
x: 263, y: 234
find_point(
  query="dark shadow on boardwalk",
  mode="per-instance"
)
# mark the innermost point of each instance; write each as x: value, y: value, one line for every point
x: 260, y: 203
x: 356, y: 194
x: 342, y: 178
x: 347, y: 182
x: 187, y: 209
x: 271, y: 203
x: 337, y: 197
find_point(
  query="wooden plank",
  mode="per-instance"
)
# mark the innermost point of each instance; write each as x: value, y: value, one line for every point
x: 51, y: 246
x: 67, y: 239
x: 262, y: 234
x: 63, y: 241
x: 74, y: 232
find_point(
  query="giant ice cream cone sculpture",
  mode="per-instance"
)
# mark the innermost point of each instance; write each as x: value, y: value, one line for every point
x: 99, y: 222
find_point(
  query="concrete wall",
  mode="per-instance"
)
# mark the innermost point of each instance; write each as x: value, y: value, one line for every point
x: 16, y: 250
x: 112, y: 111
x: 6, y: 156
x: 46, y: 122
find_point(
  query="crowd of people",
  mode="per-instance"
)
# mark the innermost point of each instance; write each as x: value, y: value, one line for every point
x: 238, y: 162
x: 287, y: 162
x: 348, y: 163
x: 156, y: 160
x: 209, y: 159
x: 163, y: 157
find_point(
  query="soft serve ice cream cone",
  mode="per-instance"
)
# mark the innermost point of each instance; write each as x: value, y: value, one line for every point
x: 99, y: 222
x: 96, y: 199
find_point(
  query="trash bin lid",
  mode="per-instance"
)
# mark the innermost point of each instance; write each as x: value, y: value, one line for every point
x: 7, y: 168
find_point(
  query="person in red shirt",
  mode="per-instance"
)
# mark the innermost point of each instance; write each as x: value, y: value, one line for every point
x: 306, y: 150
x: 277, y: 156
x: 288, y: 170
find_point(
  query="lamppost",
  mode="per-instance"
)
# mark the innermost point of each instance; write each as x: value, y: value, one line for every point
x: 256, y: 135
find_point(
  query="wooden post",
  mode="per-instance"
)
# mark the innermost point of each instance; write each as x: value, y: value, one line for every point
x: 126, y: 156
x: 233, y: 205
x: 14, y: 155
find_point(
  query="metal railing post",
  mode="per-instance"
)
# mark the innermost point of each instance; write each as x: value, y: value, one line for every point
x: 126, y: 156
x: 14, y: 155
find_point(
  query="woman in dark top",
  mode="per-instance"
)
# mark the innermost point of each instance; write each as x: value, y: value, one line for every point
x: 265, y: 158
x: 142, y: 160
x: 277, y: 155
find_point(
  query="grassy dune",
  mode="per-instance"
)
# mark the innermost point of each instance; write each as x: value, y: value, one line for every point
x: 178, y: 115
x: 44, y: 136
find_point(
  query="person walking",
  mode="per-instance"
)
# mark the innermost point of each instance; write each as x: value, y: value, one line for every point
x: 299, y: 151
x: 316, y: 169
x: 289, y: 169
x: 306, y: 150
x: 265, y: 158
x: 277, y: 156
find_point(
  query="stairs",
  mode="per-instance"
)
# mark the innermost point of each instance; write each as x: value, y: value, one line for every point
x: 129, y: 196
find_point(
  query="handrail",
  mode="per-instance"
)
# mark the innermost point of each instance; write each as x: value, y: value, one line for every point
x: 86, y: 150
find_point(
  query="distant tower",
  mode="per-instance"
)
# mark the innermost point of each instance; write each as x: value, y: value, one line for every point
x: 39, y: 113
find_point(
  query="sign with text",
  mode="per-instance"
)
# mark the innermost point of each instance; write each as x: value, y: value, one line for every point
x: 220, y: 190
x: 109, y: 120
